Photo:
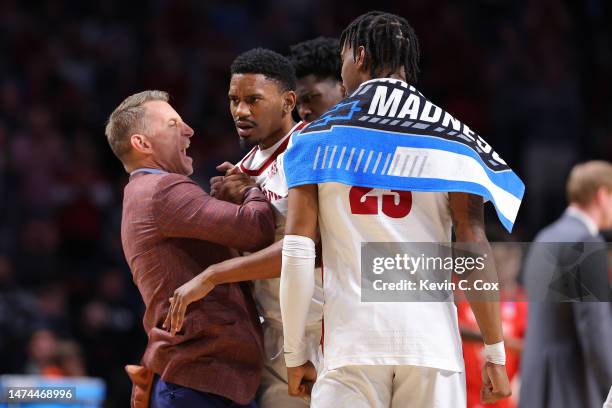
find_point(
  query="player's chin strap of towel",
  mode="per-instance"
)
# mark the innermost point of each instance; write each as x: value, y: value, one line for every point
x: 296, y: 289
x: 495, y: 353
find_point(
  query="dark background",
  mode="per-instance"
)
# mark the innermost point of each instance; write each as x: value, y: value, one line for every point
x: 532, y: 77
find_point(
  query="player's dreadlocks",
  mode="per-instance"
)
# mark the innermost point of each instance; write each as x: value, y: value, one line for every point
x: 389, y: 43
x: 268, y: 63
x: 320, y: 57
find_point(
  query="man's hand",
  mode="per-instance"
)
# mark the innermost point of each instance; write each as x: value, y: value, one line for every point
x: 495, y: 383
x: 232, y: 186
x: 301, y: 379
x: 226, y: 168
x: 195, y: 289
x: 215, y: 183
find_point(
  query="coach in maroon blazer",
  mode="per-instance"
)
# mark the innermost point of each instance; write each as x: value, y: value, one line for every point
x: 172, y: 230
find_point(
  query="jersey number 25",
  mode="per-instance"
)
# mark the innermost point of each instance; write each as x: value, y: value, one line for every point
x: 368, y: 205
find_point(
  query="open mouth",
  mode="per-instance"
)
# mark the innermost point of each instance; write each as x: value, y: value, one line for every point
x: 184, y: 151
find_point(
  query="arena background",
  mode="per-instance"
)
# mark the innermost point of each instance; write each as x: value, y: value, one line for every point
x: 533, y: 77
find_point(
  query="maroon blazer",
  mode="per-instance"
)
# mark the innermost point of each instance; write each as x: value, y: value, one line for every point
x: 171, y: 231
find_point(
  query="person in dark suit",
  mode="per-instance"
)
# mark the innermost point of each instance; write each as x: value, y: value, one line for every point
x: 171, y: 230
x: 567, y: 359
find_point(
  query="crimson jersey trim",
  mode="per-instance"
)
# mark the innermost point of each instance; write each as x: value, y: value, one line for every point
x: 281, y: 148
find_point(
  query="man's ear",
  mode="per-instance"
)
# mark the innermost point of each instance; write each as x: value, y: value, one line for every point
x: 341, y: 88
x: 360, y: 59
x: 289, y: 101
x: 601, y: 196
x: 140, y: 143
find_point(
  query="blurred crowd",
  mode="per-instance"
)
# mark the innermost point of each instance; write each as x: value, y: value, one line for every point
x: 532, y: 76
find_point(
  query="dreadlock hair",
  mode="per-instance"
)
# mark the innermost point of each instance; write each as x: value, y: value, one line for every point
x: 319, y: 57
x: 268, y: 63
x: 389, y: 43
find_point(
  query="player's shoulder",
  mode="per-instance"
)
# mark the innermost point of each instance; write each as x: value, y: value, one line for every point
x: 295, y: 132
x: 297, y: 129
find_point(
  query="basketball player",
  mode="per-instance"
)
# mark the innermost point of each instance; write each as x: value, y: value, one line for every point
x: 262, y: 97
x: 379, y: 354
x: 317, y: 68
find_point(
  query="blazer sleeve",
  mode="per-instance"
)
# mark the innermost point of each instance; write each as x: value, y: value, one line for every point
x: 594, y: 327
x: 593, y: 314
x: 183, y: 210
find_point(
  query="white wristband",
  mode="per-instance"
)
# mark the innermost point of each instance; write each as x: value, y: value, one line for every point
x: 495, y: 353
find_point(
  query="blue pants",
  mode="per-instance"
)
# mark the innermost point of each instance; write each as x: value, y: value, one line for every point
x: 168, y: 395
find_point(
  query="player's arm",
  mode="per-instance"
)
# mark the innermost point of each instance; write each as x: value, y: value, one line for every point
x: 297, y: 284
x: 468, y: 222
x: 264, y: 264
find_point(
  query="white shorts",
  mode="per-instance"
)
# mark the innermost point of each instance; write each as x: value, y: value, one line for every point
x: 273, y: 391
x: 389, y: 387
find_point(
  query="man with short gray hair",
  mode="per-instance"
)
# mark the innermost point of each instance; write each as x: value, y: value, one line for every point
x: 172, y: 230
x: 127, y: 117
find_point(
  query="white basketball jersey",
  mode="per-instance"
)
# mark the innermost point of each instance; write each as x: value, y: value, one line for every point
x: 266, y: 169
x: 379, y: 333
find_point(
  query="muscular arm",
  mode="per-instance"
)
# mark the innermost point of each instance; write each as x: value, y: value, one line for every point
x: 264, y: 264
x: 303, y: 211
x: 468, y: 222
